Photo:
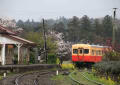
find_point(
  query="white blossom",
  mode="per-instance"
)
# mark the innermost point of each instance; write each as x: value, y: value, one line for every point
x: 6, y: 22
x: 64, y: 48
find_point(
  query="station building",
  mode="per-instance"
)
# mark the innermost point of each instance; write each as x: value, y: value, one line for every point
x: 13, y: 48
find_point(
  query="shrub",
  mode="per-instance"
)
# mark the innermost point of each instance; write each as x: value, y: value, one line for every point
x: 67, y: 66
x: 112, y: 56
x: 57, y: 61
x: 52, y: 59
x: 111, y: 68
x: 32, y: 57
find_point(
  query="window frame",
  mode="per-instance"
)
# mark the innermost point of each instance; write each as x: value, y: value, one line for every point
x: 88, y: 51
x: 75, y: 52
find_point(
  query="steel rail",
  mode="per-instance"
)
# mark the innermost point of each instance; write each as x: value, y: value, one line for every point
x: 35, y: 81
x: 80, y: 83
x: 98, y: 83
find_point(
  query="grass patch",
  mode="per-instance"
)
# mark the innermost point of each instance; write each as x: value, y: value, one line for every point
x: 102, y: 80
x: 78, y: 76
x: 58, y: 77
x: 63, y: 80
x: 1, y: 77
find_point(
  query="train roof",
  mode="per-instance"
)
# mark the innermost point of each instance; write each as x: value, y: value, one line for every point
x: 99, y: 46
x: 88, y: 45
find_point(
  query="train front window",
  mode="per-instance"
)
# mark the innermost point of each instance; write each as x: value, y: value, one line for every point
x: 80, y: 51
x: 86, y: 51
x: 75, y: 51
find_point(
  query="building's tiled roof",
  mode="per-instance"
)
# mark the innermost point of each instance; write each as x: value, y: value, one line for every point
x: 19, y: 39
x: 10, y: 34
x: 6, y: 30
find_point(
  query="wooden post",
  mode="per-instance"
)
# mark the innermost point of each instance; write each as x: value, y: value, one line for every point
x: 19, y: 45
x: 3, y: 54
x: 114, y: 27
x: 45, y: 43
x: 20, y: 55
x: 28, y: 55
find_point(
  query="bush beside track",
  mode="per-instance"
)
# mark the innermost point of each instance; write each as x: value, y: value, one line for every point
x: 98, y: 74
x: 109, y: 70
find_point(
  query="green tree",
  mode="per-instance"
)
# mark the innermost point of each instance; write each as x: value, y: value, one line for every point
x: 59, y: 27
x: 37, y: 37
x: 86, y: 30
x: 86, y: 23
x: 107, y: 27
x: 97, y: 27
x: 73, y: 29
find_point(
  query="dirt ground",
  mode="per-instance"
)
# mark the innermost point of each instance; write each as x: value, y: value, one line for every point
x: 29, y: 79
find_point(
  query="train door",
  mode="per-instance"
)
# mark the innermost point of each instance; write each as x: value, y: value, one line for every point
x: 78, y: 55
x: 85, y: 55
x: 81, y: 53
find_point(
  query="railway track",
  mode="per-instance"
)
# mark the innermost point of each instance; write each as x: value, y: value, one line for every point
x: 35, y: 77
x: 38, y: 78
x: 81, y: 82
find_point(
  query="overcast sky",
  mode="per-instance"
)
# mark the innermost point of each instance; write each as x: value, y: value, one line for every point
x: 38, y: 9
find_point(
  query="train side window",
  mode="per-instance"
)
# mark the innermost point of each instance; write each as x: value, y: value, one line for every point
x: 75, y: 51
x: 97, y: 52
x: 100, y: 52
x: 86, y: 51
x: 92, y: 52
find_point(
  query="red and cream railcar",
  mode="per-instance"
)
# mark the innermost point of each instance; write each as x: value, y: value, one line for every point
x: 87, y: 53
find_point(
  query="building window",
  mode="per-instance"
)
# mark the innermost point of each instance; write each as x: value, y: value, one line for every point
x: 75, y: 51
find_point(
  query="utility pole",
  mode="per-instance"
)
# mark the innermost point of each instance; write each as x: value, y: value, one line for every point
x: 45, y: 44
x: 114, y: 26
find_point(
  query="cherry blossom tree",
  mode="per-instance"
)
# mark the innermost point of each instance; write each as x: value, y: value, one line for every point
x: 63, y: 48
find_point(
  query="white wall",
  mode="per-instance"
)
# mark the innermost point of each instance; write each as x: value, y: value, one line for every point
x: 7, y: 40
